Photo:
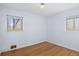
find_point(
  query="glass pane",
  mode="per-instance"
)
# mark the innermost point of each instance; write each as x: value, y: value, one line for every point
x: 14, y: 23
x: 18, y: 23
x: 70, y: 25
x: 10, y: 23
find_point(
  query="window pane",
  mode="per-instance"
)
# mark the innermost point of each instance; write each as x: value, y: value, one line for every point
x: 14, y: 23
x: 10, y: 23
x: 70, y: 25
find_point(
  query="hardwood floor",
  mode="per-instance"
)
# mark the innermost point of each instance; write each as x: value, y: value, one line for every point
x: 41, y: 49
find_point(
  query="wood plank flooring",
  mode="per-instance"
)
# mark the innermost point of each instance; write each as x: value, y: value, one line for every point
x: 41, y: 49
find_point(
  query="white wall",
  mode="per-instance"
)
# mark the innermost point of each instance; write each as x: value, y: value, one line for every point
x: 34, y: 29
x: 57, y: 33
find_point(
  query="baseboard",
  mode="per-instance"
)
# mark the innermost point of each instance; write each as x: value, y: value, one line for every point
x: 23, y: 46
x: 63, y: 46
x: 38, y: 43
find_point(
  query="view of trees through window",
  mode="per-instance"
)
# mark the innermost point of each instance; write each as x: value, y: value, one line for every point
x: 14, y: 23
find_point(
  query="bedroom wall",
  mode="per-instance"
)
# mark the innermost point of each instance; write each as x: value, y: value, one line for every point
x: 57, y: 33
x: 34, y: 29
x: 38, y: 29
x: 0, y: 32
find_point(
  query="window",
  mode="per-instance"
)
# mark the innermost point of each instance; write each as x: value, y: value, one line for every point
x: 72, y: 24
x: 14, y: 23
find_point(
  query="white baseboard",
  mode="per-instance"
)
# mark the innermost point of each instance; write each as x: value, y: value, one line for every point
x: 64, y: 46
x: 38, y: 43
x: 22, y: 46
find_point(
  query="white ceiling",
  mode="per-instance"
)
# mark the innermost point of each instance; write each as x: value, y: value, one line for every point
x: 50, y: 8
